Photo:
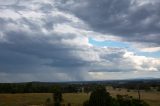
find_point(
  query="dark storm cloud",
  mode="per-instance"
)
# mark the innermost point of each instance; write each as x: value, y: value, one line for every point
x: 133, y: 20
x: 22, y: 50
x: 41, y: 39
x: 30, y: 49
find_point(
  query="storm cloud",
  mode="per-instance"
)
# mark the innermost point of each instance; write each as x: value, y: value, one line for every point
x: 49, y: 40
x: 132, y: 20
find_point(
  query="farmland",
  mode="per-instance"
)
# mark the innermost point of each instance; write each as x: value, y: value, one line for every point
x: 76, y: 99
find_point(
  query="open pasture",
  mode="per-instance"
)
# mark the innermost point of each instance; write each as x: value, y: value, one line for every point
x: 76, y: 99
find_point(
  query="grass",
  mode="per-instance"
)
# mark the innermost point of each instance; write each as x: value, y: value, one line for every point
x: 151, y: 97
x: 40, y: 98
x: 23, y: 99
x: 76, y: 99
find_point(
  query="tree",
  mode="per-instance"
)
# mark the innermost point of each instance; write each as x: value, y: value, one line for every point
x: 125, y: 100
x: 57, y: 96
x: 86, y: 103
x: 99, y: 97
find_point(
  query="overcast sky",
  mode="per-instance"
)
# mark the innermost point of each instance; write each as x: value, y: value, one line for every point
x: 79, y: 40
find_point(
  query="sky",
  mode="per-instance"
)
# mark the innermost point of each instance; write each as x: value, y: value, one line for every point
x: 79, y: 40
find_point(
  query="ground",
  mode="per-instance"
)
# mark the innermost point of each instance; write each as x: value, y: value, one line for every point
x: 76, y: 99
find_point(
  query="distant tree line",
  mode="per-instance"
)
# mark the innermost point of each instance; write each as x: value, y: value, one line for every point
x: 40, y: 87
x: 36, y: 88
x: 142, y: 85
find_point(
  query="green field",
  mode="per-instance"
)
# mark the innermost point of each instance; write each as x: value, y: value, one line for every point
x: 76, y: 99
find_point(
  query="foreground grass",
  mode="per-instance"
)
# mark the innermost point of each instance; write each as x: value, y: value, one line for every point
x: 27, y: 99
x: 23, y: 99
x: 76, y: 99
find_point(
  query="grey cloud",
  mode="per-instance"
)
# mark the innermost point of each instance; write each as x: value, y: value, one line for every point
x: 33, y: 50
x: 124, y: 18
x: 59, y: 54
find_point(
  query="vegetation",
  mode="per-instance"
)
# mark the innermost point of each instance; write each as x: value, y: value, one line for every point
x: 33, y: 87
x: 57, y: 96
x: 158, y: 88
x: 75, y: 99
x: 125, y: 100
x: 40, y: 87
x: 100, y: 97
x: 119, y: 93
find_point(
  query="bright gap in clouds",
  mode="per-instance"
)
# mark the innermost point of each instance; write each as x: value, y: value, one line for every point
x: 149, y: 54
x: 108, y: 43
x: 124, y: 45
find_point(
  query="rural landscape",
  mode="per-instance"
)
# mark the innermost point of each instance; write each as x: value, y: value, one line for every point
x: 77, y: 93
x: 79, y: 52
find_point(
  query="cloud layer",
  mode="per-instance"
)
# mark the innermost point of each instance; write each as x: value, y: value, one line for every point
x: 132, y: 20
x: 49, y: 40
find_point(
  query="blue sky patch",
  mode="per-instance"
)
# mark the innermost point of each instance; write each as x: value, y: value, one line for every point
x: 108, y: 43
x: 125, y: 45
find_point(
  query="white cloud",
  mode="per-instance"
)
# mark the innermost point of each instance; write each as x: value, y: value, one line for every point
x: 151, y: 49
x: 9, y: 14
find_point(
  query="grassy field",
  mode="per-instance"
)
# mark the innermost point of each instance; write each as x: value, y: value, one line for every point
x: 76, y: 99
x: 40, y: 98
x: 151, y: 97
x: 23, y: 99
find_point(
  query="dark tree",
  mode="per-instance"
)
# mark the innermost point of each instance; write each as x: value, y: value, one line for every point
x: 125, y: 100
x: 100, y: 97
x: 57, y: 96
